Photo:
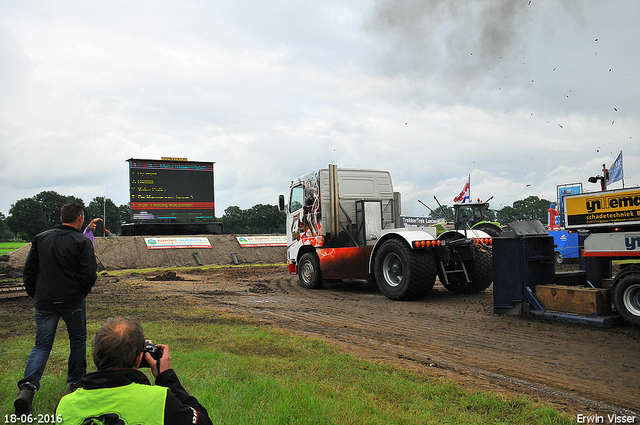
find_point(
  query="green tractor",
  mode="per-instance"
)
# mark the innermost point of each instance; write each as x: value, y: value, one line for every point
x: 471, y: 216
x: 474, y: 216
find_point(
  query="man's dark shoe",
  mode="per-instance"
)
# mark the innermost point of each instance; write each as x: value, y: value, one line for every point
x: 24, y: 400
x: 74, y: 386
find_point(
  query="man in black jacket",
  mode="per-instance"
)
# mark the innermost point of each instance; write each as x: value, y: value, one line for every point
x: 58, y: 274
x: 119, y: 393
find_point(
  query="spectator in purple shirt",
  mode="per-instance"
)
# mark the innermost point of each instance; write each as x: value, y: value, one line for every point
x: 88, y: 231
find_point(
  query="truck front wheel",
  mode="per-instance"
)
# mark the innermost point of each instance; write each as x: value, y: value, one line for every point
x: 403, y: 273
x: 626, y: 298
x: 309, y: 273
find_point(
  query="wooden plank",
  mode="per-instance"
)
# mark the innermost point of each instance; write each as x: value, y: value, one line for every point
x: 577, y: 300
x: 12, y: 292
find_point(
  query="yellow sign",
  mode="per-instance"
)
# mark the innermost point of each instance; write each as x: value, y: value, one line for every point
x: 602, y: 208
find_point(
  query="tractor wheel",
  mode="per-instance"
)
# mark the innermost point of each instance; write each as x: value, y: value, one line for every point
x: 491, y: 229
x: 403, y: 273
x: 479, y: 270
x: 309, y: 273
x: 626, y: 298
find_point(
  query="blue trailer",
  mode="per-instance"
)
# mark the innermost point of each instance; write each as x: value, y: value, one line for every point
x: 566, y: 243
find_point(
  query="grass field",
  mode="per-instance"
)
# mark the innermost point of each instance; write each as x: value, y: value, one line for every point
x: 249, y: 374
x: 7, y: 247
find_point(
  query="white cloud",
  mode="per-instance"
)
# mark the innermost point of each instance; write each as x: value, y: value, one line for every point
x: 523, y: 98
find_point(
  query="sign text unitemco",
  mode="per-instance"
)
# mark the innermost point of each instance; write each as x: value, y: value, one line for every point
x: 602, y: 208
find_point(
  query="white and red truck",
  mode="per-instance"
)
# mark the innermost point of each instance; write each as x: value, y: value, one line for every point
x: 345, y: 224
x: 612, y: 219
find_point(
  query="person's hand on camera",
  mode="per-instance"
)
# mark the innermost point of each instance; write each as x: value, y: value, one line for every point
x: 164, y: 361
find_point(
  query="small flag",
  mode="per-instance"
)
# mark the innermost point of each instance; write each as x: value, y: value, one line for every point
x: 615, y: 171
x: 464, y: 195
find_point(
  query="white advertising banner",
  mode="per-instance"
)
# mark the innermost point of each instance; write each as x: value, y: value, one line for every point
x: 616, y: 244
x: 169, y: 243
x: 255, y: 241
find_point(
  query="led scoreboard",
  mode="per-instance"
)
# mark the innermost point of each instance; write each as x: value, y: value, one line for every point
x: 171, y: 188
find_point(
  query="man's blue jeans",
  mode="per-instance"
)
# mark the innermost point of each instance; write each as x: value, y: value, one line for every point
x: 46, y: 324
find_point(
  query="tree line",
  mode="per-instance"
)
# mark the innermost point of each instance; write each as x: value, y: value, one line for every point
x: 530, y: 208
x: 30, y: 216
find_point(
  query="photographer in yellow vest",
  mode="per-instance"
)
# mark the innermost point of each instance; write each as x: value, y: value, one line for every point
x: 120, y: 393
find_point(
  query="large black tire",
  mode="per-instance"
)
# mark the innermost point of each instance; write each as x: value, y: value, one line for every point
x: 309, y: 273
x: 403, y: 273
x: 491, y: 229
x: 626, y: 298
x: 480, y: 271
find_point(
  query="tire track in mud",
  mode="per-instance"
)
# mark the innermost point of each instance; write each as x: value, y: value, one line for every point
x: 578, y: 368
x: 431, y: 361
x: 520, y: 354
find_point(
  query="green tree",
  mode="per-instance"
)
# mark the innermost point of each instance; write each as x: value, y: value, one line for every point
x: 51, y: 203
x: 265, y: 219
x: 491, y: 215
x: 30, y: 216
x: 531, y: 208
x: 234, y: 220
x: 27, y: 217
x: 259, y: 219
x: 5, y: 233
x: 112, y: 219
x: 124, y: 211
x: 506, y: 215
x: 442, y: 212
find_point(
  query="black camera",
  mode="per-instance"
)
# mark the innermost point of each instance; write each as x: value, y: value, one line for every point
x: 156, y: 353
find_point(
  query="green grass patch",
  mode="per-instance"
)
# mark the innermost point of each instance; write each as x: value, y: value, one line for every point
x: 251, y: 375
x: 621, y: 262
x: 248, y: 374
x: 7, y: 247
x: 16, y: 280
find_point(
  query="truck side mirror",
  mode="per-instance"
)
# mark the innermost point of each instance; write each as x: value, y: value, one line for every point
x: 281, y: 202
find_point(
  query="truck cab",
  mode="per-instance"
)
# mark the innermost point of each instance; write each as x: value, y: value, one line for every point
x: 345, y: 224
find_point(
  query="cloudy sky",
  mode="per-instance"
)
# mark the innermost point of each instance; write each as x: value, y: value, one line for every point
x: 523, y: 95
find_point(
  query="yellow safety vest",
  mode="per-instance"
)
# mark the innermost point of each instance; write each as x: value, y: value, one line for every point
x: 133, y: 404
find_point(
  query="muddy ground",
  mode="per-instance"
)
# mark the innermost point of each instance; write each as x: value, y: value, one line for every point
x: 580, y: 369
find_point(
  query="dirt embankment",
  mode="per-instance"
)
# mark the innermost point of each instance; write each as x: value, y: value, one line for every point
x: 131, y: 252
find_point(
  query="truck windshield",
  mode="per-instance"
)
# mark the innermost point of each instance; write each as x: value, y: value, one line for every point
x: 296, y: 199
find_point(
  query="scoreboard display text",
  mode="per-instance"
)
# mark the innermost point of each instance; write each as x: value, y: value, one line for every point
x: 171, y: 189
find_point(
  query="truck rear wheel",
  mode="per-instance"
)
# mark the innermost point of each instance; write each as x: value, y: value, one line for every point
x: 479, y: 270
x: 309, y: 273
x: 403, y: 273
x: 626, y: 298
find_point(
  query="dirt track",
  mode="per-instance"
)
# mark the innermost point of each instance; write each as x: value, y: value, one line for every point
x: 581, y: 369
x: 578, y: 368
